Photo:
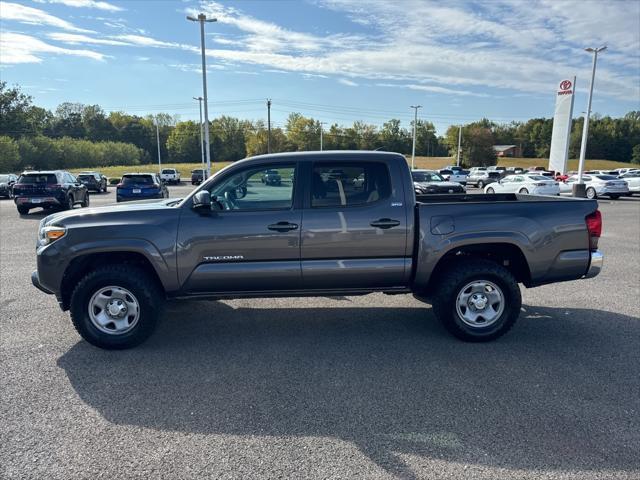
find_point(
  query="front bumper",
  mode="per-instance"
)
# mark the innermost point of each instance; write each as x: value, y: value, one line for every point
x: 595, y: 265
x: 36, y: 283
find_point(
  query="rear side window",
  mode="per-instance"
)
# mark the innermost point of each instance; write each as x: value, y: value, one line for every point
x: 33, y: 178
x: 349, y: 184
x: 137, y: 180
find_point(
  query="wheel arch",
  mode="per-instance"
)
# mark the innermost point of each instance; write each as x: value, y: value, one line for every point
x: 83, y: 264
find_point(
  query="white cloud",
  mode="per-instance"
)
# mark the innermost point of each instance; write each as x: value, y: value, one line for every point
x: 348, y: 83
x: 19, y: 48
x: 145, y: 41
x: 34, y: 16
x: 76, y: 39
x: 86, y: 4
x: 435, y: 89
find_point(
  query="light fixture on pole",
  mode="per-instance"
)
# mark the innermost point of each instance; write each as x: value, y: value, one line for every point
x: 415, y: 124
x: 202, y: 18
x: 579, y: 189
x: 199, y: 99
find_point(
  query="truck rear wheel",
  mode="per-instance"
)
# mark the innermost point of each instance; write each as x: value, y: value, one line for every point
x: 116, y: 307
x: 477, y: 300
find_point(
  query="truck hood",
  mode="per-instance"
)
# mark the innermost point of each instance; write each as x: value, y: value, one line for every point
x: 108, y: 210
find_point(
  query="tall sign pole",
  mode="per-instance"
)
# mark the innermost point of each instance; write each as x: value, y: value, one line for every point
x: 158, y: 140
x: 561, y: 133
x: 201, y: 134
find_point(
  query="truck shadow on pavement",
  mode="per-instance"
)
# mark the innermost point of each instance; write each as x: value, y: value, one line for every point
x: 558, y: 392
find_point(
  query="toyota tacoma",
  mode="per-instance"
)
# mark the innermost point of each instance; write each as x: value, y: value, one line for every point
x: 315, y: 234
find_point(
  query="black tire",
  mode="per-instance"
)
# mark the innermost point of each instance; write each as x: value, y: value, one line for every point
x: 614, y: 196
x: 480, y: 184
x: 490, y: 190
x: 524, y: 191
x: 453, y: 281
x: 86, y: 200
x: 23, y: 210
x: 70, y: 203
x: 139, y: 283
x: 591, y: 193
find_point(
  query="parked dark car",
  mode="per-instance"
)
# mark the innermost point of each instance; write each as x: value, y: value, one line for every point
x: 426, y: 182
x: 140, y: 186
x: 271, y: 177
x: 94, y: 181
x: 467, y: 255
x: 7, y: 181
x: 197, y: 176
x: 49, y: 189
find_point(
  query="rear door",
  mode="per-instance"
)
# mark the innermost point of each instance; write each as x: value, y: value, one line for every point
x: 250, y: 241
x: 354, y: 227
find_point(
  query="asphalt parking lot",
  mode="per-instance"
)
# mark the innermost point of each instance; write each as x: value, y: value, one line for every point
x: 341, y: 387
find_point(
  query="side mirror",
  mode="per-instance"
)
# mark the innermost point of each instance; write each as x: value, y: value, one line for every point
x: 241, y: 191
x: 202, y: 200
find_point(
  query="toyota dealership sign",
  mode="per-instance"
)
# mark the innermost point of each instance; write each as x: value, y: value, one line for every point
x: 562, y: 126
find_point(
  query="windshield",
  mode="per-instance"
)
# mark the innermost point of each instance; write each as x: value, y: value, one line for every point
x: 426, y: 177
x: 197, y: 172
x: 33, y: 178
x: 137, y: 180
x: 169, y: 170
x: 86, y: 177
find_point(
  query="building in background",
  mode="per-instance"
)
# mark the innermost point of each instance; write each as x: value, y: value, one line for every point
x: 507, y: 150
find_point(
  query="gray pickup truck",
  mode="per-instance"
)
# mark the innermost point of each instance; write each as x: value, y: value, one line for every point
x: 337, y: 223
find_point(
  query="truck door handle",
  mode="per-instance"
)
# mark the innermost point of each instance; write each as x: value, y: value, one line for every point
x: 282, y: 226
x: 385, y: 223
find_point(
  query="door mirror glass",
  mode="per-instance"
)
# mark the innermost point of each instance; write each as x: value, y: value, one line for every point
x: 202, y: 200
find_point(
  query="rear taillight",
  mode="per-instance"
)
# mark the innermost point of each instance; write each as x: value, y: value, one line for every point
x: 155, y: 185
x: 594, y: 227
x: 53, y: 186
x: 120, y: 185
x: 539, y: 184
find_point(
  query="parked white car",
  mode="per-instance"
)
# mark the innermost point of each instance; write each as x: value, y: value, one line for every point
x: 170, y: 175
x: 633, y: 180
x: 598, y: 185
x: 622, y: 171
x: 526, y: 183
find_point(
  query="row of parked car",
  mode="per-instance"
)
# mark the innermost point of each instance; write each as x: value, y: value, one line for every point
x: 534, y: 180
x: 59, y: 189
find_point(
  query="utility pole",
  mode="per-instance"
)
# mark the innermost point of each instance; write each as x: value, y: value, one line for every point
x: 321, y: 129
x: 158, y: 139
x: 459, y: 142
x: 579, y: 189
x: 268, y: 125
x: 415, y: 124
x: 201, y: 142
x: 202, y: 18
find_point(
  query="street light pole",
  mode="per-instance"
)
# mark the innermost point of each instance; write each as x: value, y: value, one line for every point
x: 202, y: 18
x: 459, y: 142
x: 415, y: 123
x: 158, y: 140
x: 269, y: 125
x: 579, y: 189
x: 201, y: 143
x: 321, y: 131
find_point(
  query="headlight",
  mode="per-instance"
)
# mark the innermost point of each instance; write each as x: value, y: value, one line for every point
x: 49, y: 235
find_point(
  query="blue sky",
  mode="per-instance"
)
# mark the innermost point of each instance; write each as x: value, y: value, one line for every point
x: 335, y: 60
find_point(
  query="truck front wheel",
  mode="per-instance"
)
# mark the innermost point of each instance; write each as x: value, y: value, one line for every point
x: 477, y: 300
x: 116, y: 306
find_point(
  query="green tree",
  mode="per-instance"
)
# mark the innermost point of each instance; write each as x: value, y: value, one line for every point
x: 635, y: 154
x: 303, y: 133
x: 183, y: 143
x: 9, y: 154
x: 394, y: 138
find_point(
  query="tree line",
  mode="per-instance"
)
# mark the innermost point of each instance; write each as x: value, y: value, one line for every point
x: 77, y: 135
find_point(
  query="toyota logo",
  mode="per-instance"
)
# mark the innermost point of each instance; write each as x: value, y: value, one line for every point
x: 565, y: 85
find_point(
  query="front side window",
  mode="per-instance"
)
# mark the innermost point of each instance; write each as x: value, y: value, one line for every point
x: 349, y: 184
x: 256, y: 188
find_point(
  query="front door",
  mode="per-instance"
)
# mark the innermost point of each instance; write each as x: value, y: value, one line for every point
x: 354, y: 231
x: 250, y: 241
